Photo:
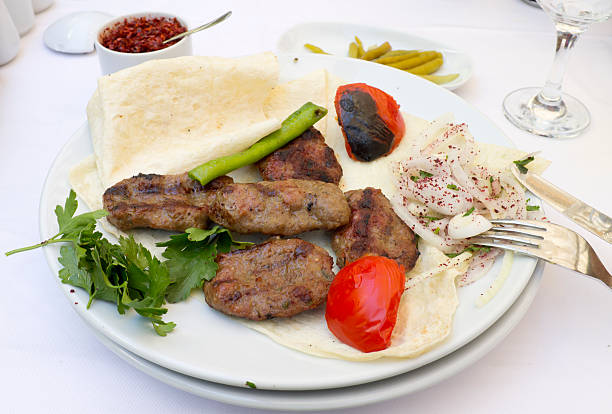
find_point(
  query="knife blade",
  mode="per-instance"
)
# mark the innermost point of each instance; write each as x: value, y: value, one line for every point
x: 579, y: 212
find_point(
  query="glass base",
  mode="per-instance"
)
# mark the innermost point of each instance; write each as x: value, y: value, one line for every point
x: 566, y: 120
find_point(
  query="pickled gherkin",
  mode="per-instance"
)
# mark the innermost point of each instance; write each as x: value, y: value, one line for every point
x: 426, y: 68
x: 421, y: 63
x: 417, y: 60
x: 376, y: 51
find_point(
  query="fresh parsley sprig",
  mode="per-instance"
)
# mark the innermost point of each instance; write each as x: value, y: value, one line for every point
x: 191, y: 258
x: 126, y: 273
x: 70, y: 228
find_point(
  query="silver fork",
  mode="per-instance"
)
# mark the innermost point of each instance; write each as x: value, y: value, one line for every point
x: 551, y: 242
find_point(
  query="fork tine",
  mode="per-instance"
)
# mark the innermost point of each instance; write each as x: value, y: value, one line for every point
x: 508, y: 238
x: 519, y: 223
x: 558, y: 245
x: 485, y: 241
x: 516, y: 230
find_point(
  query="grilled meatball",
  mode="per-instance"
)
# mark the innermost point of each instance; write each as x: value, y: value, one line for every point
x: 374, y: 229
x: 306, y: 158
x: 168, y: 202
x: 279, y: 278
x: 285, y: 207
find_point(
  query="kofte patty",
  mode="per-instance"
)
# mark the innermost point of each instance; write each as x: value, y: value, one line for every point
x: 306, y: 158
x: 168, y: 202
x: 286, y: 207
x: 279, y: 278
x: 374, y: 229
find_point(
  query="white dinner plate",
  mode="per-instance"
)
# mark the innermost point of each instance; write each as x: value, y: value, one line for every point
x: 334, y: 38
x: 211, y: 346
x: 358, y: 395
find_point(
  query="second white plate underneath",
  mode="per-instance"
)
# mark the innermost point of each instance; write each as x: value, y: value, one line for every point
x: 355, y: 396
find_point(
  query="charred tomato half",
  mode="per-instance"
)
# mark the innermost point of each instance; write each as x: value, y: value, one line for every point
x: 370, y: 120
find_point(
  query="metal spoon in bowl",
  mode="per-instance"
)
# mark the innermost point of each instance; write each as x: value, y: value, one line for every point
x: 197, y: 29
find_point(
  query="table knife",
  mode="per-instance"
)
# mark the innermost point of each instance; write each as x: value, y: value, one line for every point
x: 581, y: 213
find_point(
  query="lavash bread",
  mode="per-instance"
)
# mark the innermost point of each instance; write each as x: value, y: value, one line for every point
x: 168, y: 116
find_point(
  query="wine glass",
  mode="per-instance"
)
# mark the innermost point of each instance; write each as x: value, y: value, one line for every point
x: 547, y: 111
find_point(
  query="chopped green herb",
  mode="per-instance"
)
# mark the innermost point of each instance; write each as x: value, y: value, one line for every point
x: 533, y: 208
x: 474, y: 248
x: 431, y: 218
x: 437, y: 230
x: 452, y: 187
x: 422, y: 174
x: 250, y: 384
x: 128, y: 274
x: 521, y: 164
x: 470, y: 211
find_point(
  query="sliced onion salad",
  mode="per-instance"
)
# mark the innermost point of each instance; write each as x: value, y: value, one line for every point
x: 445, y: 198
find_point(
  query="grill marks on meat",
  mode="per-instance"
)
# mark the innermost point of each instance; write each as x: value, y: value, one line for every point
x: 168, y: 202
x: 279, y: 278
x: 285, y: 207
x: 306, y: 157
x: 374, y: 229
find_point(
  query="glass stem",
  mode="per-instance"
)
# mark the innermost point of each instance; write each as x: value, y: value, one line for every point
x: 550, y: 95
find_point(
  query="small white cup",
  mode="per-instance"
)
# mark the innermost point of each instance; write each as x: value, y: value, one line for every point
x: 22, y: 14
x: 9, y: 37
x: 40, y: 5
x: 111, y: 61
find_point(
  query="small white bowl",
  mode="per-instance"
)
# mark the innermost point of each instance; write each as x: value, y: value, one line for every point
x: 111, y: 61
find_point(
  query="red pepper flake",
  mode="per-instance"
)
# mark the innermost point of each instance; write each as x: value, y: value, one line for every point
x: 71, y: 290
x: 141, y: 34
x: 76, y: 303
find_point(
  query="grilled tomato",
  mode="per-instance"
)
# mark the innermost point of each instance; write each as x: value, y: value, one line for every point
x: 370, y: 120
x: 363, y: 301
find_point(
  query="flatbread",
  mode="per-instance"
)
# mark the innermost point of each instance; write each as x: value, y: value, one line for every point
x: 495, y: 157
x: 289, y: 96
x: 168, y: 116
x: 425, y: 318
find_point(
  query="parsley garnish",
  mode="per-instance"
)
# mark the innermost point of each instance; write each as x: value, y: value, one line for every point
x: 531, y: 208
x: 521, y: 164
x: 191, y: 258
x: 126, y: 273
x: 437, y: 230
x: 452, y: 187
x: 474, y: 248
x: 422, y: 174
x: 470, y: 211
x: 431, y: 218
x: 250, y: 384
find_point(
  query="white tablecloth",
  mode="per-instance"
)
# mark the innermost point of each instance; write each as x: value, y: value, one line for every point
x: 559, y: 357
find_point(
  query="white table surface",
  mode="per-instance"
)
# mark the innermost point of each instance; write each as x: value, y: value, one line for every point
x: 559, y: 357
